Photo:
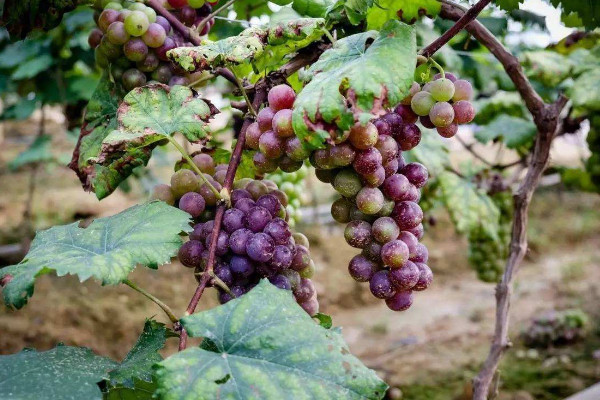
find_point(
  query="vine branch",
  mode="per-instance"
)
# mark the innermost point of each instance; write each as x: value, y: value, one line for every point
x: 546, y: 118
x: 188, y: 33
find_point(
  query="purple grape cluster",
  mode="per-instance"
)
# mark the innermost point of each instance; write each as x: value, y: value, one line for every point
x: 255, y: 240
x: 133, y: 42
x: 273, y: 135
x: 443, y: 104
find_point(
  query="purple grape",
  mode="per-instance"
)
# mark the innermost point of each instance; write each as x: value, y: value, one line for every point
x: 410, y: 240
x: 222, y: 243
x: 95, y: 38
x: 400, y: 301
x: 447, y: 131
x: 245, y: 204
x: 372, y: 251
x: 421, y: 254
x: 187, y: 15
x: 281, y: 282
x: 407, y: 215
x: 279, y: 230
x: 383, y: 128
x: 269, y: 202
x: 239, y: 239
x: 233, y: 220
x: 265, y: 270
x: 117, y: 34
x: 381, y: 285
x: 161, y: 51
x: 416, y: 173
x: 257, y: 218
x: 305, y: 290
x: 148, y: 64
x: 413, y: 194
x: 282, y: 258
x: 192, y: 203
x: 426, y: 122
x: 190, y: 254
x: 394, y: 121
x: 241, y: 266
x: 207, y: 229
x: 281, y: 196
x: 409, y: 137
x: 396, y: 187
x: 133, y: 78
x: 280, y: 97
x: 135, y: 49
x: 260, y: 247
x: 407, y: 114
x: 162, y: 21
x: 376, y: 178
x: 223, y: 272
x: 358, y: 234
x: 301, y: 258
x: 418, y: 231
x: 271, y: 145
x: 463, y: 112
x: 238, y: 194
x: 462, y: 90
x: 447, y: 75
x: 401, y: 161
x: 342, y: 154
x: 391, y: 167
x: 384, y: 230
x: 264, y: 164
x: 311, y: 306
x: 395, y: 253
x: 425, y: 277
x: 367, y: 161
x: 361, y: 269
x: 196, y: 234
x: 405, y: 277
x: 388, y: 148
x: 265, y: 119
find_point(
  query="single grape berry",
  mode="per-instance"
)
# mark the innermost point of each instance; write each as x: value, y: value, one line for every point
x: 384, y: 230
x: 239, y: 239
x: 372, y: 251
x: 447, y: 131
x: 340, y: 210
x: 133, y: 78
x: 155, y: 35
x: 343, y: 154
x: 425, y: 277
x: 396, y: 187
x: 190, y: 254
x: 279, y: 231
x: 369, y: 200
x: 406, y: 277
x: 406, y: 112
x: 387, y: 146
x: 376, y: 178
x: 107, y: 17
x: 305, y: 290
x: 407, y: 215
x: 383, y: 128
x: 363, y: 137
x: 265, y: 119
x: 361, y: 269
x: 347, y: 183
x: 148, y: 64
x: 135, y: 50
x: 282, y: 123
x: 301, y: 258
x: 367, y: 161
x: 271, y: 145
x: 442, y: 114
x: 395, y: 253
x: 408, y: 137
x: 400, y: 301
x: 260, y: 247
x: 280, y: 97
x: 381, y: 285
x: 358, y: 233
x: 295, y: 150
x: 257, y: 218
x: 95, y: 38
x: 117, y: 34
x: 442, y: 89
x: 462, y: 90
x: 410, y: 240
x: 183, y: 181
x: 426, y: 122
x: 418, y: 231
x: 422, y: 103
x: 137, y: 23
x: 421, y: 254
x: 416, y: 173
x: 192, y: 203
x: 463, y: 112
x: 163, y: 192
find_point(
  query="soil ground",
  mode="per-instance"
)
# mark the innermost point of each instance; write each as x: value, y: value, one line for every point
x: 428, y: 352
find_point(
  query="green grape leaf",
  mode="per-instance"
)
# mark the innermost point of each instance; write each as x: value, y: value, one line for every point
x: 264, y: 346
x: 469, y: 207
x: 246, y: 9
x: 63, y: 372
x: 140, y: 391
x: 21, y: 17
x: 513, y: 131
x: 108, y: 250
x: 408, y: 11
x: 313, y: 8
x: 353, y: 80
x: 587, y: 10
x: 353, y: 10
x: 15, y: 54
x: 500, y: 103
x: 138, y: 363
x: 32, y: 67
x: 38, y: 152
x: 263, y: 47
x: 509, y: 5
x: 547, y: 67
x: 584, y: 93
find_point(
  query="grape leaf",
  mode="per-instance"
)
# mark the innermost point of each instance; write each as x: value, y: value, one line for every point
x: 509, y: 5
x: 108, y: 249
x: 21, y: 17
x: 20, y: 110
x: 264, y: 47
x: 506, y: 103
x: 32, y: 67
x: 584, y: 93
x: 63, y: 372
x: 353, y: 10
x: 246, y: 9
x: 470, y: 208
x: 548, y: 67
x: 408, y: 11
x: 312, y: 8
x: 263, y: 345
x: 137, y: 365
x: 140, y: 391
x: 514, y: 132
x: 587, y: 10
x: 37, y: 152
x: 354, y: 79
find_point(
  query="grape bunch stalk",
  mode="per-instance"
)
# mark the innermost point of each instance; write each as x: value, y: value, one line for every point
x: 133, y: 41
x: 255, y: 241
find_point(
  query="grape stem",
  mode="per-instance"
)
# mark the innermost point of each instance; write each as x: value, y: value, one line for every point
x: 438, y: 67
x: 240, y: 86
x: 189, y: 160
x: 188, y: 33
x: 548, y: 121
x: 153, y: 298
x: 213, y: 14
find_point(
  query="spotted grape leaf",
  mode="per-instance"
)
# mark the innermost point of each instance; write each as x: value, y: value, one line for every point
x: 138, y: 363
x: 21, y: 17
x: 263, y: 47
x: 358, y: 76
x: 408, y: 11
x: 513, y: 131
x: 38, y: 152
x: 264, y: 346
x: 470, y: 208
x: 63, y: 372
x: 108, y: 249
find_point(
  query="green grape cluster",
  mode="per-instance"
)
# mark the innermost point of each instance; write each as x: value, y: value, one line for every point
x: 293, y: 184
x: 593, y: 139
x: 487, y: 254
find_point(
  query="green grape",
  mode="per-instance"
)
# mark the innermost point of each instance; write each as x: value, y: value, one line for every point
x: 196, y: 3
x: 347, y: 183
x: 137, y: 7
x: 113, y: 6
x: 150, y: 13
x: 442, y: 89
x: 422, y: 103
x: 137, y: 23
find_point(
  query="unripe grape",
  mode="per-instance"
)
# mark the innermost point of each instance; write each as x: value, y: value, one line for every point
x: 196, y: 3
x: 163, y: 192
x: 462, y: 90
x: 400, y: 301
x: 137, y: 23
x: 101, y: 59
x: 442, y: 89
x: 106, y: 18
x: 321, y: 158
x: 293, y: 277
x: 463, y: 112
x: 369, y: 200
x: 387, y: 209
x: 361, y: 269
x: 372, y: 251
x: 113, y: 5
x: 342, y: 154
x: 282, y: 123
x: 340, y: 210
x: 442, y: 114
x: 363, y: 137
x: 422, y: 103
x: 271, y: 145
x: 135, y: 50
x: 280, y: 97
x: 384, y: 230
x: 155, y: 35
x: 295, y: 150
x: 448, y: 131
x: 117, y: 34
x: 347, y: 183
x: 395, y: 253
x: 281, y: 196
x: 183, y: 181
x: 257, y: 189
x: 301, y: 239
x: 326, y: 175
x: 358, y: 233
x: 381, y: 285
x: 112, y: 51
x: 137, y: 7
x: 133, y: 78
x: 150, y: 13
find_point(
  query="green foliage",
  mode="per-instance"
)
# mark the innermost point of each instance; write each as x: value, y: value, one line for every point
x: 263, y: 345
x: 312, y: 8
x: 140, y: 391
x: 37, y: 152
x: 61, y: 373
x: 548, y: 67
x: 368, y: 77
x: 408, y: 11
x: 588, y: 11
x: 23, y: 16
x: 108, y: 250
x: 430, y: 152
x: 501, y: 103
x: 514, y: 132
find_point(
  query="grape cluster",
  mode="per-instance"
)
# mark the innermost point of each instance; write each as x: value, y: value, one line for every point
x: 273, y: 135
x: 255, y: 241
x: 555, y: 328
x: 133, y: 41
x: 293, y: 185
x: 442, y: 103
